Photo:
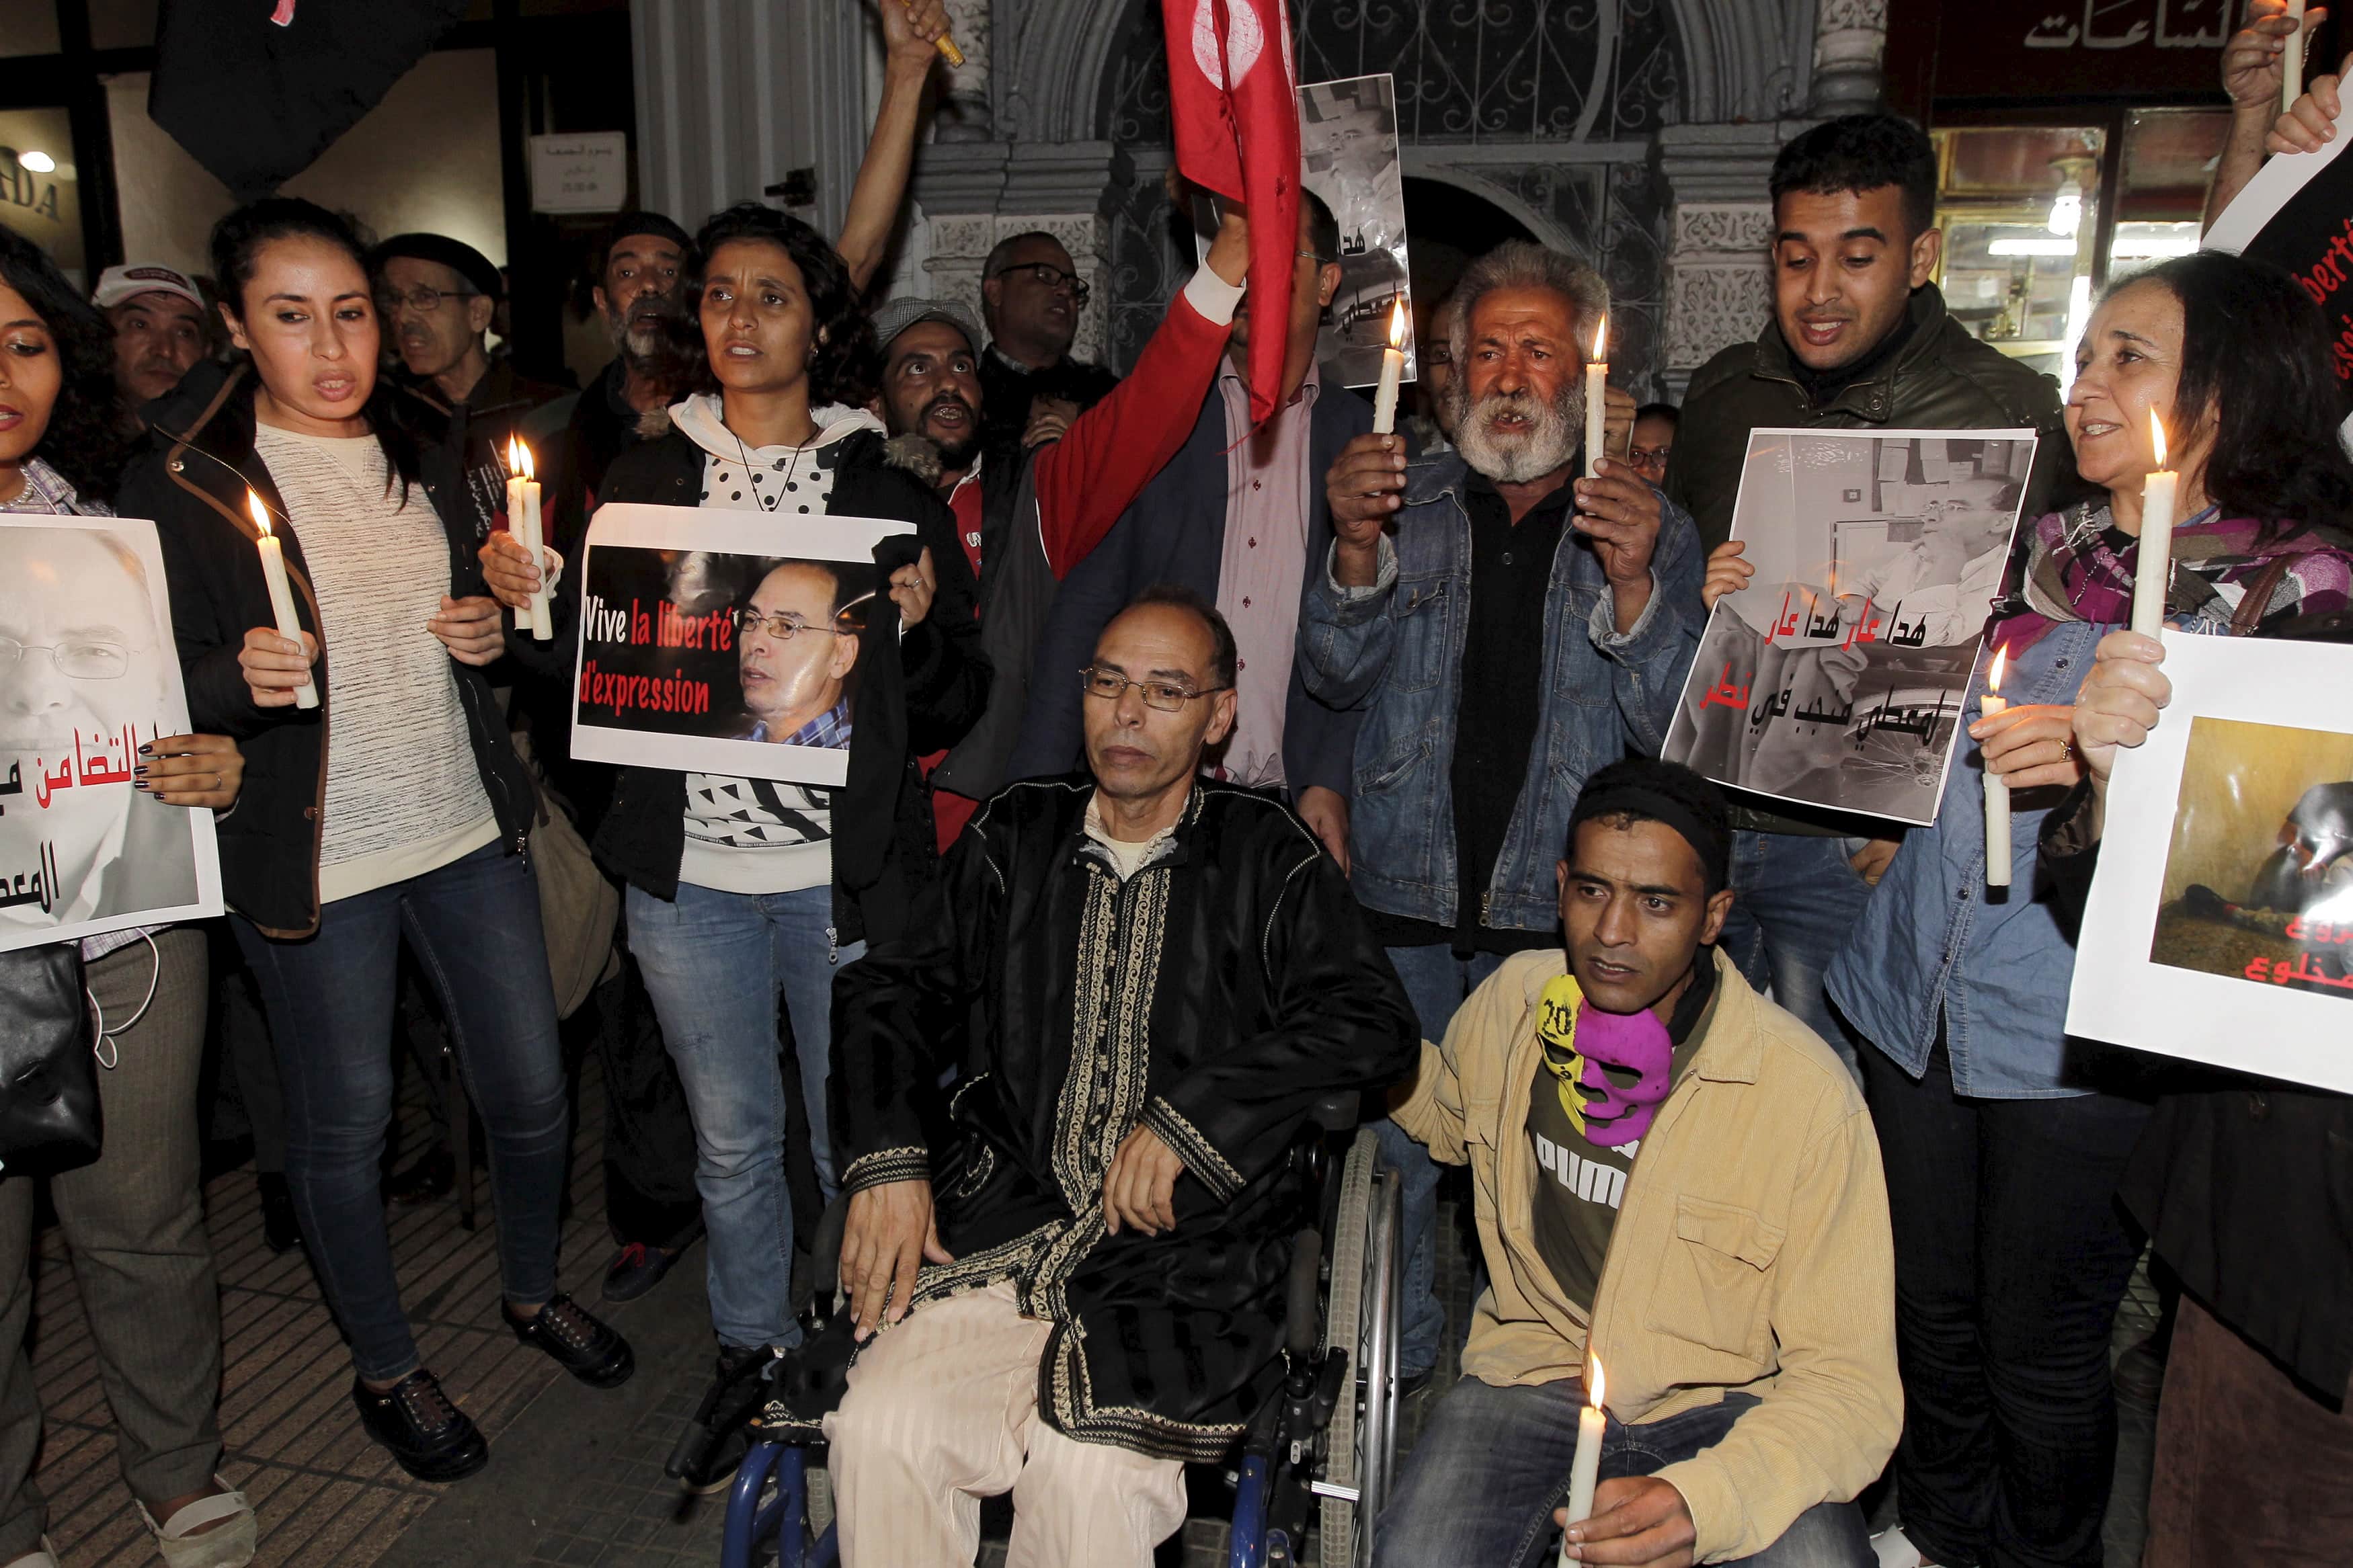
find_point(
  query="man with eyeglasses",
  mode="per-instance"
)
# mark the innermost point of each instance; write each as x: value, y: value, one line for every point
x: 1236, y: 516
x: 1140, y: 982
x: 436, y: 297
x: 796, y: 647
x: 1030, y: 296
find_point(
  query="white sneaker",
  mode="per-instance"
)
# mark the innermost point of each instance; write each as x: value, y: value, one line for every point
x: 1895, y: 1550
x: 45, y: 1557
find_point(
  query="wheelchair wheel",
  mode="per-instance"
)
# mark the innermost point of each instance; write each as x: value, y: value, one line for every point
x: 1362, y: 1318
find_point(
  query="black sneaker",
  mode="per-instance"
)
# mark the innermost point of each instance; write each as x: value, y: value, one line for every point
x: 635, y: 1269
x: 715, y: 1470
x: 279, y: 1231
x: 588, y: 1348
x: 431, y: 1175
x: 432, y: 1438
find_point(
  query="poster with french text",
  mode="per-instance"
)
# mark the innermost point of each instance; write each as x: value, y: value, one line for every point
x: 1838, y: 675
x: 724, y: 643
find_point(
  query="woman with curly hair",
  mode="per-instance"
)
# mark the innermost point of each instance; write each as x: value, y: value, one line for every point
x: 740, y: 891
x: 134, y: 1217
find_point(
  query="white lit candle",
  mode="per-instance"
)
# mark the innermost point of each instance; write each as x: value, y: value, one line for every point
x: 2291, y: 60
x: 1997, y: 788
x: 2153, y: 565
x: 1584, y: 1468
x: 1597, y: 397
x: 281, y: 596
x: 524, y: 488
x: 1392, y: 372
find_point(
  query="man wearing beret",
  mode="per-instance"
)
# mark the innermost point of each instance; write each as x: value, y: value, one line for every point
x: 1728, y: 1297
x: 437, y: 296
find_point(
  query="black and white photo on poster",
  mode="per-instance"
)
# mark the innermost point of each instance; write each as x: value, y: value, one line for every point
x: 2220, y: 922
x: 88, y: 674
x: 1837, y: 677
x: 1348, y: 144
x: 724, y: 643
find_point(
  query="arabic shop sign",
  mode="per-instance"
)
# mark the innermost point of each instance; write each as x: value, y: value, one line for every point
x: 2058, y: 48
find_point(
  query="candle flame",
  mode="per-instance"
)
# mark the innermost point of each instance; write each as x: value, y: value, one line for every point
x: 2157, y: 434
x: 1397, y: 325
x: 1993, y: 674
x: 261, y: 513
x: 1601, y: 338
x: 519, y: 463
x: 1595, y: 1397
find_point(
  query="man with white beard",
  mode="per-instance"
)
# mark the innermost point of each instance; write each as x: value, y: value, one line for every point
x: 1507, y: 629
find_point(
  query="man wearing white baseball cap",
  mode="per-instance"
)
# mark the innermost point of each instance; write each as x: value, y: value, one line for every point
x: 159, y: 328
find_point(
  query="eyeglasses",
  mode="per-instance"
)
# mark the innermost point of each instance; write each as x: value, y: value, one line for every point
x: 424, y: 299
x: 1049, y: 275
x: 1165, y: 695
x: 1317, y: 257
x: 848, y: 621
x: 75, y: 660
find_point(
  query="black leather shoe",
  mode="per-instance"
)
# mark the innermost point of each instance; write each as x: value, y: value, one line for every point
x: 429, y: 1176
x: 279, y: 1231
x: 432, y: 1438
x: 716, y: 1470
x: 589, y: 1349
x: 635, y: 1269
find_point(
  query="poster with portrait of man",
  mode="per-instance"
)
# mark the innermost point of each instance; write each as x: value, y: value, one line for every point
x: 1837, y: 677
x: 2220, y: 925
x: 1348, y: 144
x: 88, y: 674
x: 723, y: 642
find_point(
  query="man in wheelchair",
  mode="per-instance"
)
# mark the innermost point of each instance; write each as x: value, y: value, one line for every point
x: 1735, y: 1284
x: 1067, y: 1274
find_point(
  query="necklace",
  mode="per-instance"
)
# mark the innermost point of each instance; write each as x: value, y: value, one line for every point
x: 766, y: 503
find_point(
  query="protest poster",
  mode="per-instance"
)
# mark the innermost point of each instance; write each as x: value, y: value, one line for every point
x: 2220, y: 925
x: 2295, y: 215
x: 91, y: 673
x: 723, y: 642
x: 1837, y: 678
x: 1348, y: 143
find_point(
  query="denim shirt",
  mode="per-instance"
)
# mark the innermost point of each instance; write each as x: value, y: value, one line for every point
x: 1396, y: 650
x: 1932, y: 939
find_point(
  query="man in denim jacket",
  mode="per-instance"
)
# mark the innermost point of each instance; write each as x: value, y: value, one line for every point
x: 1506, y: 629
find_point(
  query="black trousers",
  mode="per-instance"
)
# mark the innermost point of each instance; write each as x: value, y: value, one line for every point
x: 2010, y: 1256
x: 649, y: 1196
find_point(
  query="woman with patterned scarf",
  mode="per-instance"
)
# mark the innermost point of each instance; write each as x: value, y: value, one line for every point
x: 2004, y: 1139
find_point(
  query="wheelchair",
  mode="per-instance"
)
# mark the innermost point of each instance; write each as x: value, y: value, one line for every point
x: 1322, y: 1450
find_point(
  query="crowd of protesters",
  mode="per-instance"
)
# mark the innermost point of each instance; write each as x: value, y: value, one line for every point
x: 1202, y: 767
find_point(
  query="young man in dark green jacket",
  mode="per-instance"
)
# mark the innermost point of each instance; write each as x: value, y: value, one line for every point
x: 1860, y: 339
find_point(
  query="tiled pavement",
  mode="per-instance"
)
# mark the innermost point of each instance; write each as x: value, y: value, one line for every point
x: 576, y: 1477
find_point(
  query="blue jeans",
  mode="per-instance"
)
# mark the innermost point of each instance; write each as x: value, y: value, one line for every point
x: 1435, y: 981
x: 474, y: 927
x: 714, y: 963
x: 1494, y: 1463
x: 1795, y: 900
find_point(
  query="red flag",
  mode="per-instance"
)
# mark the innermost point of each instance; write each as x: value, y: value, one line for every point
x: 1236, y: 113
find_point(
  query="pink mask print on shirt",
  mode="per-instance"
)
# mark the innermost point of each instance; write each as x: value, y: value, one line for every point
x: 1585, y: 1046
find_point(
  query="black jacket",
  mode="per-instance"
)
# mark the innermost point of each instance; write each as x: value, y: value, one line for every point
x: 191, y: 478
x: 885, y: 849
x: 1214, y: 996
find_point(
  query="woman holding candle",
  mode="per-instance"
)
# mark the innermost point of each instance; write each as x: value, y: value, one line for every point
x: 396, y: 807
x: 2003, y: 1138
x: 134, y: 1217
x: 743, y: 893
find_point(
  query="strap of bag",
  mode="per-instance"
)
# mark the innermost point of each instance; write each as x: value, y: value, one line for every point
x: 2258, y: 597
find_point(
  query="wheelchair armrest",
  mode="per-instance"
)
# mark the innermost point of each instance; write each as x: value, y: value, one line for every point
x: 1335, y: 1112
x: 825, y: 1247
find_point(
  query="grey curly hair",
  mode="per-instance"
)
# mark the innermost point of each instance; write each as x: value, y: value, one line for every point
x: 1518, y: 264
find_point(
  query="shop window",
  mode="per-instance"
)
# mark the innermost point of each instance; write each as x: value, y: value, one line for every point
x: 40, y: 191
x: 29, y: 27
x: 2169, y: 162
x: 2022, y: 208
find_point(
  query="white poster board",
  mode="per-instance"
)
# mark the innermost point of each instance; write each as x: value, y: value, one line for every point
x: 2219, y: 926
x: 1839, y: 676
x: 670, y: 673
x: 95, y: 676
